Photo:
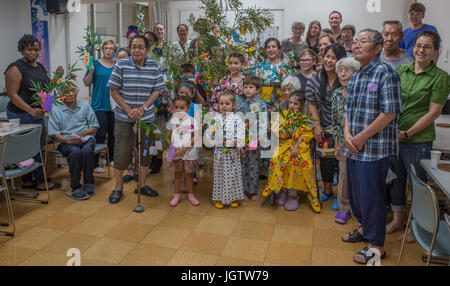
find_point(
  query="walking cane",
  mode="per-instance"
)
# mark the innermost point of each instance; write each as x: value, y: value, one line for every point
x: 139, y: 208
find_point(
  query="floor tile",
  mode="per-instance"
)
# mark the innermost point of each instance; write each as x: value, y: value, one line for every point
x: 187, y: 258
x: 129, y: 231
x: 153, y: 216
x: 288, y: 254
x: 13, y: 255
x: 181, y: 220
x: 109, y: 250
x: 231, y: 261
x: 293, y: 234
x: 204, y: 242
x: 217, y: 225
x: 166, y: 237
x: 254, y: 230
x: 95, y: 226
x: 110, y: 211
x: 37, y: 238
x: 332, y: 257
x: 232, y: 213
x: 266, y: 214
x: 244, y: 248
x: 296, y: 218
x: 148, y: 255
x: 35, y: 217
x: 63, y: 221
x: 71, y: 240
x: 46, y: 259
x: 87, y: 207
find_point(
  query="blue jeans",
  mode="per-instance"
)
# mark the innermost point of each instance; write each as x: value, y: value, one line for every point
x: 366, y: 185
x: 409, y: 153
x: 26, y: 118
x: 79, y: 158
x: 106, y: 122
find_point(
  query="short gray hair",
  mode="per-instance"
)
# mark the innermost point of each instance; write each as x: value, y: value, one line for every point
x: 291, y: 80
x: 394, y: 22
x: 298, y: 24
x: 348, y: 62
x: 375, y: 36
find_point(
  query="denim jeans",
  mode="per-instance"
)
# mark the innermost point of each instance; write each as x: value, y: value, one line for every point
x: 26, y: 118
x: 106, y: 122
x: 409, y: 153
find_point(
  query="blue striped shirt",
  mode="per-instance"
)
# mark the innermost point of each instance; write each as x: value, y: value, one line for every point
x: 373, y: 90
x: 135, y: 84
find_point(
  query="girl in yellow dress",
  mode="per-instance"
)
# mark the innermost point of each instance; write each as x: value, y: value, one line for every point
x: 292, y: 168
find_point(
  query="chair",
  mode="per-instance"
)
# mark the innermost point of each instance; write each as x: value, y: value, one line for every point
x: 99, y: 148
x: 4, y: 189
x: 430, y: 233
x: 21, y: 147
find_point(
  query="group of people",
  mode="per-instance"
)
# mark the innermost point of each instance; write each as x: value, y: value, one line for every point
x: 372, y: 97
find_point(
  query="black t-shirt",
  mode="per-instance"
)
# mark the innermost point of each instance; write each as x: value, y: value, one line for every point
x: 29, y: 73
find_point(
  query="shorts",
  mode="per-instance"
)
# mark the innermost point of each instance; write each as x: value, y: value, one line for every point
x: 186, y: 166
x: 125, y: 139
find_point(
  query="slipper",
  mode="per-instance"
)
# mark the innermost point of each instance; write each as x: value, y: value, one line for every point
x: 354, y: 237
x: 78, y: 195
x: 127, y: 178
x: 115, y: 196
x: 364, y: 253
x: 147, y: 191
x: 54, y: 187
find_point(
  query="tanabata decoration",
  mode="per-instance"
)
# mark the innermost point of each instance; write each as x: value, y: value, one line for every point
x: 93, y: 42
x: 139, y: 20
x: 152, y: 131
x: 54, y: 91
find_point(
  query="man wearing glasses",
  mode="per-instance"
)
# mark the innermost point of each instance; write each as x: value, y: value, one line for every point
x: 135, y: 84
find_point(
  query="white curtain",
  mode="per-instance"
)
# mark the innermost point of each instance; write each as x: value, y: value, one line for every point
x: 160, y: 15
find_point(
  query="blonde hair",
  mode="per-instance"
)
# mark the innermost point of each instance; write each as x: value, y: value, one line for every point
x: 231, y: 93
x: 109, y: 42
x: 329, y: 36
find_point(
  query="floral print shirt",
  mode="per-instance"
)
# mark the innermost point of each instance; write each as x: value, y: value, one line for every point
x: 224, y: 84
x: 338, y: 111
x: 272, y: 74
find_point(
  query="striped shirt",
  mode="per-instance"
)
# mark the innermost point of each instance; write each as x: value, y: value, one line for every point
x: 373, y: 90
x: 135, y: 84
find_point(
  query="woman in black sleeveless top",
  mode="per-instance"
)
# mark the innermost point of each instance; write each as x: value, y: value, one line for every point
x: 18, y: 77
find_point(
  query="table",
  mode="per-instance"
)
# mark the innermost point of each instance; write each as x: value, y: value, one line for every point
x: 21, y: 129
x: 442, y: 178
x: 3, y: 116
x: 442, y: 140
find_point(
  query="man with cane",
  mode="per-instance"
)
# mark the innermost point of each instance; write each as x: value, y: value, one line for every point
x: 135, y: 84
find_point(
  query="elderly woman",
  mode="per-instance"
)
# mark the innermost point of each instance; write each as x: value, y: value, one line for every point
x: 319, y: 90
x: 183, y: 43
x: 294, y: 45
x: 425, y: 88
x: 18, y: 78
x: 344, y: 69
x: 289, y: 84
x: 272, y: 71
x: 313, y: 34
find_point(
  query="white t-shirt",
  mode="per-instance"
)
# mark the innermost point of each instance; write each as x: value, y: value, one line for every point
x: 182, y: 133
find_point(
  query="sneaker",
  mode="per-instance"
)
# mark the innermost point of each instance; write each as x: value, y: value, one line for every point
x: 99, y: 170
x: 326, y: 197
x: 234, y: 204
x: 281, y: 198
x: 218, y: 204
x: 342, y: 218
x: 89, y: 189
x: 335, y: 205
x: 174, y: 202
x: 193, y: 200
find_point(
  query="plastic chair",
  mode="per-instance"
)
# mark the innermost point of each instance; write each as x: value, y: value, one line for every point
x: 4, y: 189
x: 430, y: 233
x: 21, y: 147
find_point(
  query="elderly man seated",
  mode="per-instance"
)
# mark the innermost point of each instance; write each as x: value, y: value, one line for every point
x: 73, y: 125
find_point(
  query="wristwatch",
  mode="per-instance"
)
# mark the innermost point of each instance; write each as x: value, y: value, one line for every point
x: 406, y: 134
x: 146, y: 108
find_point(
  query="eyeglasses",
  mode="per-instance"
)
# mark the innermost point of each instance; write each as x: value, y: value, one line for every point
x: 137, y: 48
x: 345, y: 69
x: 109, y: 48
x: 426, y: 47
x: 306, y: 60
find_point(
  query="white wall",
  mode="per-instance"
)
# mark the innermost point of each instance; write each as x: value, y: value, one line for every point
x: 437, y: 15
x: 12, y: 30
x: 353, y: 11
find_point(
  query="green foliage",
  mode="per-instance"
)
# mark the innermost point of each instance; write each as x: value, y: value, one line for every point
x: 92, y: 39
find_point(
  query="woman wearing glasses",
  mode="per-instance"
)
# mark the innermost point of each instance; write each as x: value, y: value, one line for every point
x: 98, y: 76
x: 425, y: 88
x: 182, y: 45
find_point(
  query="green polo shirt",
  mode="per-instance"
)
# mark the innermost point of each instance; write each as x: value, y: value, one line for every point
x: 418, y: 90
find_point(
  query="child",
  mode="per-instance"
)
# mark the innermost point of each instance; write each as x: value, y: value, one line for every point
x: 233, y: 80
x: 187, y: 72
x: 319, y: 62
x: 288, y: 85
x: 184, y: 162
x: 252, y: 103
x: 228, y: 187
x: 291, y: 168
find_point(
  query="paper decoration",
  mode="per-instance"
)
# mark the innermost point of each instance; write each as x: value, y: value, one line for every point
x: 159, y: 145
x: 235, y: 36
x: 153, y: 151
x: 372, y: 87
x: 253, y: 145
x: 170, y: 153
x: 48, y: 103
x: 243, y: 30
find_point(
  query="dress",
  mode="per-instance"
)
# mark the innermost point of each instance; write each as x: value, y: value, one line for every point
x: 272, y: 75
x: 224, y: 84
x: 228, y: 185
x: 288, y: 172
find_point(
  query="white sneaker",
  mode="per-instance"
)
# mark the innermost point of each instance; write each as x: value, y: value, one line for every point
x: 99, y: 170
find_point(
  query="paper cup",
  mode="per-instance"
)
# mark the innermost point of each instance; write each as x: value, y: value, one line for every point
x: 7, y: 126
x: 435, y: 158
x: 15, y: 122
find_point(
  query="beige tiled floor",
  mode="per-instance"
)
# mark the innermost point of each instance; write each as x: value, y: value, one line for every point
x: 252, y: 234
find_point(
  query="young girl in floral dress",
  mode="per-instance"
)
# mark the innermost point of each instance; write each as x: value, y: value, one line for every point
x: 292, y: 168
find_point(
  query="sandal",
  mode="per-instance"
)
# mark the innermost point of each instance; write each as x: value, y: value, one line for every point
x: 193, y: 200
x: 218, y: 204
x: 174, y: 202
x: 354, y: 237
x: 127, y: 178
x: 368, y: 254
x: 234, y: 204
x: 78, y: 194
x: 147, y: 191
x: 115, y: 196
